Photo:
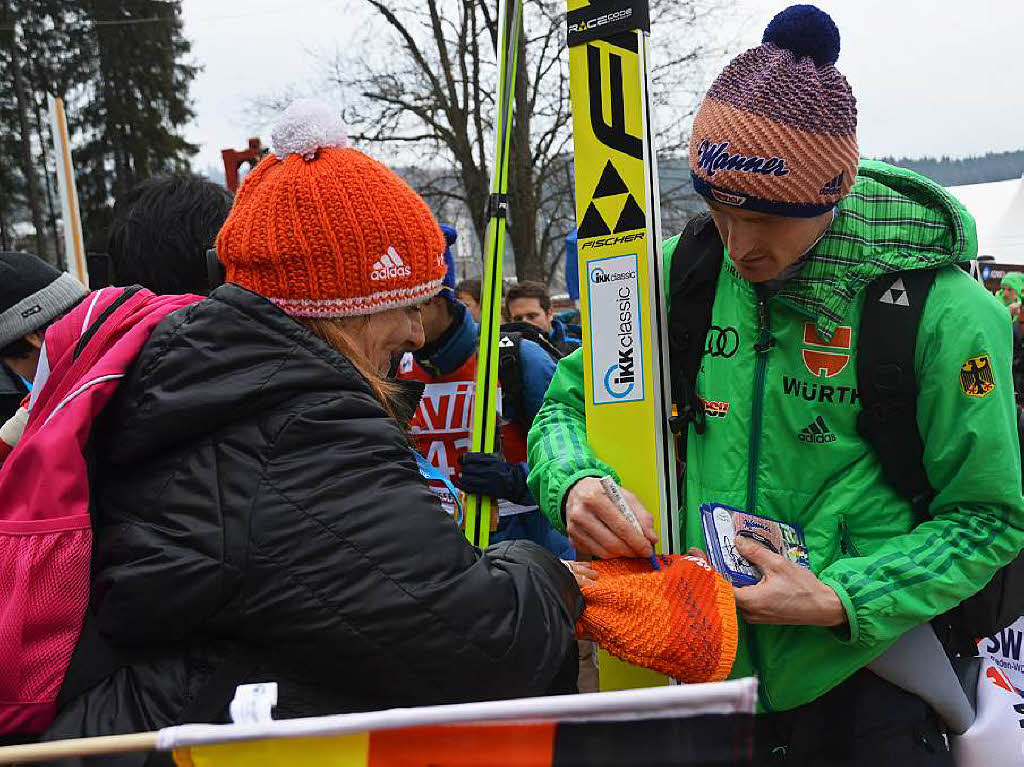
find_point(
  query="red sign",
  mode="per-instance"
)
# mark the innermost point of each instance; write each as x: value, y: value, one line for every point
x: 826, y: 358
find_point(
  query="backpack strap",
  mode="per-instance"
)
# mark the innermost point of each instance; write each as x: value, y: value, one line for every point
x: 510, y: 373
x: 887, y: 379
x: 96, y: 324
x: 510, y: 362
x: 533, y: 333
x: 696, y: 264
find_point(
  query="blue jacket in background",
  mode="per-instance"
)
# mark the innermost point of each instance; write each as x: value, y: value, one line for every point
x: 565, y: 337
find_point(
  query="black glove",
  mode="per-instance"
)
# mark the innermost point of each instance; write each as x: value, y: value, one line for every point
x: 490, y: 474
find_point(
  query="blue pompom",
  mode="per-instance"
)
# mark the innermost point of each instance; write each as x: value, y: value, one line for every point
x: 806, y: 31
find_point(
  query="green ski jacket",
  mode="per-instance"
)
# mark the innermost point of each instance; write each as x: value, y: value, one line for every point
x: 783, y: 441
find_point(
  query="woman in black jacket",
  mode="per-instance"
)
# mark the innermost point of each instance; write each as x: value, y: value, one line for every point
x: 258, y: 512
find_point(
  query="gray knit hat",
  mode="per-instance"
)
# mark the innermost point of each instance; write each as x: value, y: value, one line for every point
x: 32, y: 294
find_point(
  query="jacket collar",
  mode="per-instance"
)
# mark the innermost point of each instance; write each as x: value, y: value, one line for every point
x: 452, y: 350
x: 893, y: 220
x: 557, y: 333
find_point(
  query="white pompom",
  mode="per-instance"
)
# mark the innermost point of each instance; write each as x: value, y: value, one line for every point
x: 306, y: 126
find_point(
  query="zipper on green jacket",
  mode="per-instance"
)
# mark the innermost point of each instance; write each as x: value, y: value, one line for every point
x: 764, y: 343
x: 846, y: 545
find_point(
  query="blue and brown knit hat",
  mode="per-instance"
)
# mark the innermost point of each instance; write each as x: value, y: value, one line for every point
x: 777, y: 131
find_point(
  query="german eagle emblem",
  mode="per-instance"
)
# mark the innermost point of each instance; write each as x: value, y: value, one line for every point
x: 976, y: 376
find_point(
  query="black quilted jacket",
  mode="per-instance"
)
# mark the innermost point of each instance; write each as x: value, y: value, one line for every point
x: 252, y: 499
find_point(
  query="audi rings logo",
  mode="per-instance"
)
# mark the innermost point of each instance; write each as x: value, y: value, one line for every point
x: 722, y: 342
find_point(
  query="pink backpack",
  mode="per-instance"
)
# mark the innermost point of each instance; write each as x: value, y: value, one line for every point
x: 45, y: 532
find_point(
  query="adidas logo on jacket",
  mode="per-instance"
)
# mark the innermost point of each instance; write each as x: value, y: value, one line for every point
x: 816, y: 433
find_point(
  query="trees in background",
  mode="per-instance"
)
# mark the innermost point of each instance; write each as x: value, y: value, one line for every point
x: 419, y: 87
x: 122, y: 67
x: 955, y: 171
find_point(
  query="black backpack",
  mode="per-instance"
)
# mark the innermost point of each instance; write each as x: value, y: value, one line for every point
x: 887, y: 421
x: 510, y: 367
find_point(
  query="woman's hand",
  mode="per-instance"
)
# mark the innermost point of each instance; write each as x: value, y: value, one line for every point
x: 585, y: 574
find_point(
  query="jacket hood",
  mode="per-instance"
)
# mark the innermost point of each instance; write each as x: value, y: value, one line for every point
x: 221, y: 360
x: 893, y: 220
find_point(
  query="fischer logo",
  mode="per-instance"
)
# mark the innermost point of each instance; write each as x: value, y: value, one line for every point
x: 601, y: 242
x: 390, y: 266
x: 599, y: 21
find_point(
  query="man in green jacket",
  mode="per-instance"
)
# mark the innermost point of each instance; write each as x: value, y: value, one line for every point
x: 806, y: 228
x: 1010, y: 288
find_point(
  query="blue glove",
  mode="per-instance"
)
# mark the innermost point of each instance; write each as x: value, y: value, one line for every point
x: 490, y: 474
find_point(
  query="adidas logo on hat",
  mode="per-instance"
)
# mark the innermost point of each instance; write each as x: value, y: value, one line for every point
x: 835, y: 186
x: 817, y: 433
x: 389, y: 265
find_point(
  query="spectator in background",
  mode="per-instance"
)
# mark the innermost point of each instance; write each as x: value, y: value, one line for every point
x: 1010, y: 288
x: 161, y: 231
x: 529, y: 302
x: 468, y: 292
x: 442, y: 425
x: 33, y: 295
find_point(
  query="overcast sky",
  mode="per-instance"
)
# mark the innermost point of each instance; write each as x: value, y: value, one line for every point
x: 931, y: 77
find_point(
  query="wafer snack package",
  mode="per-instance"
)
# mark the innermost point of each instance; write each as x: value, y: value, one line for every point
x: 723, y: 524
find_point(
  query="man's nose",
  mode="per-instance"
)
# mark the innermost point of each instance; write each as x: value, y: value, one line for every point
x: 416, y: 338
x: 739, y: 244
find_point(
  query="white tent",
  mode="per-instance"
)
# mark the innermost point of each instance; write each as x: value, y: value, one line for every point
x: 998, y: 207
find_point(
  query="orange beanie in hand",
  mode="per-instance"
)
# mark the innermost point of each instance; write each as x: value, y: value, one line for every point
x: 679, y: 620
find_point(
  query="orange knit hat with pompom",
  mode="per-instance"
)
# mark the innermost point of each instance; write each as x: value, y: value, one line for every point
x: 322, y: 230
x: 679, y: 620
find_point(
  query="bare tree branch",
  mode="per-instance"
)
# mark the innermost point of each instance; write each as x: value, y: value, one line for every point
x: 422, y: 91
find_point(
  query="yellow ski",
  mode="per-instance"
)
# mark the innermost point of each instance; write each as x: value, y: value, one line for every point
x: 621, y: 293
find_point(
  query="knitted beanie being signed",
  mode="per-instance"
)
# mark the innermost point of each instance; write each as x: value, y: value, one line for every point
x: 322, y: 230
x: 679, y: 620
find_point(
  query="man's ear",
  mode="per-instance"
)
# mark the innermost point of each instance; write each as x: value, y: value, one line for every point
x: 35, y: 338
